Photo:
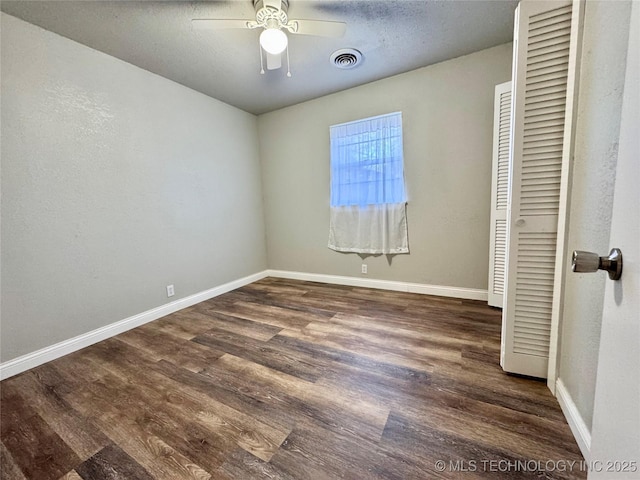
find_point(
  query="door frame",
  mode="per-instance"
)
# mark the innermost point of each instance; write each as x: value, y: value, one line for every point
x: 562, y: 247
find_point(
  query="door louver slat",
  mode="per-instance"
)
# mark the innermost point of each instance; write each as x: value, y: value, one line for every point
x: 542, y: 19
x: 537, y: 255
x: 500, y: 253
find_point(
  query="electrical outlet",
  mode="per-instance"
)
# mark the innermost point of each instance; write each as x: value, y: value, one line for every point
x: 364, y: 268
x: 170, y: 291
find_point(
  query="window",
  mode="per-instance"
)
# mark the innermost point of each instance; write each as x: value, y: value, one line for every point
x: 367, y: 161
x: 368, y: 199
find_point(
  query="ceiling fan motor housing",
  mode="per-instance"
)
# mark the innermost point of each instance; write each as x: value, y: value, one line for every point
x: 258, y: 4
x: 268, y: 14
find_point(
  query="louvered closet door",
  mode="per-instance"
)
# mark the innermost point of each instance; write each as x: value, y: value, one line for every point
x: 499, y: 193
x: 542, y: 44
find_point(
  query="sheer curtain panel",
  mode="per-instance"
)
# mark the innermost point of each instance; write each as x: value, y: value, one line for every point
x: 368, y: 199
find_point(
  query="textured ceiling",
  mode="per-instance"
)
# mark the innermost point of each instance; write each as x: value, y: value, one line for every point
x: 394, y: 36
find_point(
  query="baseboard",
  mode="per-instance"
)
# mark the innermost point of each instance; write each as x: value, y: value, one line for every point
x: 443, y: 291
x: 574, y: 419
x: 47, y: 354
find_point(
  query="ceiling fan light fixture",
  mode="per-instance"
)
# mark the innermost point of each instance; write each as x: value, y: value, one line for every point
x: 273, y: 40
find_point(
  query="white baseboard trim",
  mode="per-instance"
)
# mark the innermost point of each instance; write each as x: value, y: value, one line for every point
x: 47, y: 354
x: 574, y: 419
x: 443, y: 291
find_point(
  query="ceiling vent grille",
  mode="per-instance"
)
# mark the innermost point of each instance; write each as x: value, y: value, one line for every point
x: 346, y: 58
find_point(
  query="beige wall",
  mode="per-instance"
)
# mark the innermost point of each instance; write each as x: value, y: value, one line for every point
x: 597, y: 132
x: 448, y: 120
x: 115, y: 183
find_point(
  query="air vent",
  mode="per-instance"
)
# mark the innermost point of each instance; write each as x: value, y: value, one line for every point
x: 346, y: 58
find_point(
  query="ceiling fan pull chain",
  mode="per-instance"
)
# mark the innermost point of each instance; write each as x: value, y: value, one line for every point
x: 261, y: 62
x: 288, y: 63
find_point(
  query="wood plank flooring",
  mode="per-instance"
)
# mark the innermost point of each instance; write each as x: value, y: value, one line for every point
x: 289, y: 380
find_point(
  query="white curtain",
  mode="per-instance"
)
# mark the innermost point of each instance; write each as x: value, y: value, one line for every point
x: 368, y: 200
x: 369, y: 229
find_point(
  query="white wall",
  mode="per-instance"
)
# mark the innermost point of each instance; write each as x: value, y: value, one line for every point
x: 115, y: 183
x: 448, y: 120
x: 596, y: 147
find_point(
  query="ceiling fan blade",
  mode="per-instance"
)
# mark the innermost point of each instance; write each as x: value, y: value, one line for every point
x: 274, y: 62
x: 218, y: 24
x: 319, y: 28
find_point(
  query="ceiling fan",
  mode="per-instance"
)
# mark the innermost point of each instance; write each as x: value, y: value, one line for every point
x: 271, y: 16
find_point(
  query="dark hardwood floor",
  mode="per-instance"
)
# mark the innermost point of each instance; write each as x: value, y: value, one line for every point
x: 290, y: 380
